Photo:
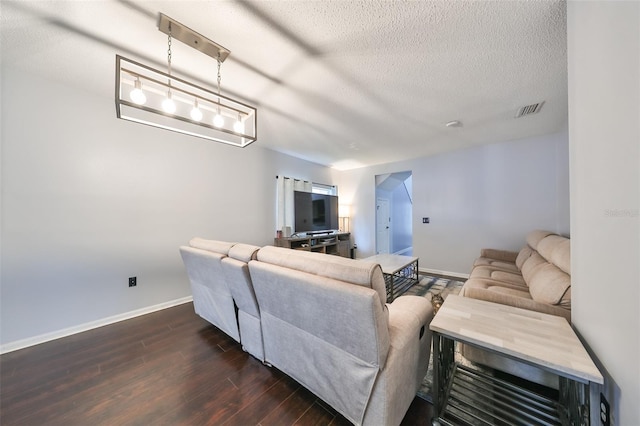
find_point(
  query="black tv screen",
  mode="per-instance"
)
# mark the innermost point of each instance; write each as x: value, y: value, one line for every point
x: 315, y: 212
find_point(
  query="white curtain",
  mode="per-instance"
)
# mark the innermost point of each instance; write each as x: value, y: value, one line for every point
x: 284, y: 213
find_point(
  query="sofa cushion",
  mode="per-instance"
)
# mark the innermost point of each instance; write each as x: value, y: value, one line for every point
x: 561, y: 256
x: 485, y: 284
x: 534, y: 237
x: 548, y: 244
x: 498, y: 264
x: 215, y: 246
x: 509, y: 291
x: 556, y: 250
x: 491, y: 273
x: 243, y: 252
x: 523, y: 255
x: 530, y: 265
x: 508, y: 277
x: 340, y: 268
x: 549, y: 284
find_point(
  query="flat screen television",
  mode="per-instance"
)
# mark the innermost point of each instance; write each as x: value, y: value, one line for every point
x: 315, y: 212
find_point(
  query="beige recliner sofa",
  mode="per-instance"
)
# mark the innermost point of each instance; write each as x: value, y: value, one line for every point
x: 537, y: 278
x: 325, y: 323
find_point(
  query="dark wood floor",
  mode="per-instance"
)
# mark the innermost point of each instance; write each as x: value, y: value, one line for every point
x: 165, y: 368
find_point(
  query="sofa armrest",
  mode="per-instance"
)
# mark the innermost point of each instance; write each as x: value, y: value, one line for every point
x: 409, y: 319
x: 418, y: 306
x: 503, y: 255
x: 517, y: 302
x: 407, y: 362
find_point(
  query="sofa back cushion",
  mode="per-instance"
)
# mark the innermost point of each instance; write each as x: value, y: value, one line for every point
x: 530, y: 265
x: 523, y: 255
x: 549, y: 285
x: 556, y: 250
x: 561, y: 256
x: 236, y: 272
x: 243, y: 252
x: 534, y: 237
x: 215, y: 246
x: 339, y: 268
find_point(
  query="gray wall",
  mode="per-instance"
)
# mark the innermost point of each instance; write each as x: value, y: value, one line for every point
x: 89, y: 200
x: 604, y: 136
x: 486, y: 196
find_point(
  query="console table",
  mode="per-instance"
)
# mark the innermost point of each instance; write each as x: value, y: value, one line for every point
x: 463, y: 395
x: 338, y: 243
x: 400, y: 272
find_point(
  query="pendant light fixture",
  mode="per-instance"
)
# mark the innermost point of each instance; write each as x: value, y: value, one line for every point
x: 148, y: 96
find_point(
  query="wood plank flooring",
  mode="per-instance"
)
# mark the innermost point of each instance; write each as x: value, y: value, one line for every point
x: 166, y: 368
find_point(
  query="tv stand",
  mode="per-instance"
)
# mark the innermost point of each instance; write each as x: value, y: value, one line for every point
x: 329, y: 242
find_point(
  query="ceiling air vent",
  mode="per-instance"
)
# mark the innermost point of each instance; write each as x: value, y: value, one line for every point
x: 529, y: 109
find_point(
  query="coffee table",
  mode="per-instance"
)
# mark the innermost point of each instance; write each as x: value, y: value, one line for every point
x: 400, y: 272
x: 463, y: 395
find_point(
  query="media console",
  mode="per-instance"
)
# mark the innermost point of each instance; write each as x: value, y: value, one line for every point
x: 337, y: 243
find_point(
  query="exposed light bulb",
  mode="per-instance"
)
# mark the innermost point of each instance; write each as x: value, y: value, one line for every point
x: 196, y: 114
x: 137, y: 95
x: 238, y: 126
x: 218, y: 121
x: 168, y: 105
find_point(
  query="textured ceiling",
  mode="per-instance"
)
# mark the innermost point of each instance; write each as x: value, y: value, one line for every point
x: 340, y: 83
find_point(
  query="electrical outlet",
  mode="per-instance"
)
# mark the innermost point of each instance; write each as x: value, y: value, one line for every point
x: 605, y: 415
x: 132, y: 281
x: 425, y: 220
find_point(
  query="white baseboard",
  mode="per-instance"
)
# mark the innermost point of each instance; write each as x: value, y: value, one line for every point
x: 42, y: 338
x: 451, y: 274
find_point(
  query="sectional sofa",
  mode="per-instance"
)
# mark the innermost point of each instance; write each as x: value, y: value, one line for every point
x: 320, y: 319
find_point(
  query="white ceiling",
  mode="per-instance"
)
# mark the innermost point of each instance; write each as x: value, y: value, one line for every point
x: 340, y: 83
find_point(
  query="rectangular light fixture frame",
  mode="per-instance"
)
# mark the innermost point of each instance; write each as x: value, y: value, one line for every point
x: 156, y: 84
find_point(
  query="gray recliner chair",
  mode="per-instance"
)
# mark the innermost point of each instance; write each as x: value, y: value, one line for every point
x: 212, y: 299
x: 325, y: 323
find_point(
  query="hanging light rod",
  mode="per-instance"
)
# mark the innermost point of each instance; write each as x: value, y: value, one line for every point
x: 191, y: 38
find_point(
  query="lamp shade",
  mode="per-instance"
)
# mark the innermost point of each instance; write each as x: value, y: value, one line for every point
x: 155, y: 84
x: 344, y: 210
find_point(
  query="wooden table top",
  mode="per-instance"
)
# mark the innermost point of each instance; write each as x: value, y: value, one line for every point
x: 541, y: 339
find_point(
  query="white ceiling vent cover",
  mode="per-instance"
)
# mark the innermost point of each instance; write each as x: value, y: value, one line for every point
x: 529, y: 109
